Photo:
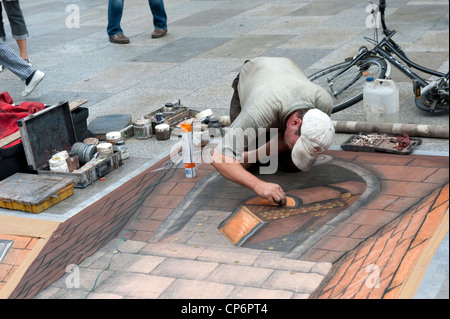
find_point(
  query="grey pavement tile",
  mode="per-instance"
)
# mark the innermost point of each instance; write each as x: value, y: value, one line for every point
x: 185, y: 269
x: 233, y: 27
x: 196, y: 289
x: 274, y: 9
x: 258, y: 293
x: 181, y: 50
x: 324, y: 8
x: 321, y: 38
x: 193, y: 74
x: 240, y: 275
x: 293, y: 281
x: 118, y: 77
x: 247, y: 46
x: 420, y: 13
x: 126, y: 262
x: 131, y: 285
x: 303, y: 57
x: 207, y: 17
x: 295, y: 25
x: 54, y: 97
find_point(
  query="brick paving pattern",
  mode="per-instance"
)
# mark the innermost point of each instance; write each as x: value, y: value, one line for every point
x: 197, y: 261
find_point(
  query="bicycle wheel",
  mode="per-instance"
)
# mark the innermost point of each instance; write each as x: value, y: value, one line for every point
x: 347, y: 88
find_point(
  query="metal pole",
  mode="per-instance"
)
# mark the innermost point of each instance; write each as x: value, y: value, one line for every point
x: 413, y: 130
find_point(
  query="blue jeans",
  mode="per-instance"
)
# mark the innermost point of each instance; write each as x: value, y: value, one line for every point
x: 115, y: 11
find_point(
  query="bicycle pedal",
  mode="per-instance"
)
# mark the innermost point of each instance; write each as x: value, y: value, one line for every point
x: 416, y: 89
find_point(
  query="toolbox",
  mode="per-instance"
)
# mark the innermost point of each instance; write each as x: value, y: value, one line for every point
x: 374, y: 142
x: 50, y: 131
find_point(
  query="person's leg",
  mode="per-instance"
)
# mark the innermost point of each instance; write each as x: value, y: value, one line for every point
x: 159, y: 14
x: 18, y: 26
x: 115, y: 12
x: 2, y: 29
x: 235, y: 104
x: 13, y: 62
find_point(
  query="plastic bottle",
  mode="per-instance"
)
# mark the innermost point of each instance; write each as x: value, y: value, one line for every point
x: 381, y: 101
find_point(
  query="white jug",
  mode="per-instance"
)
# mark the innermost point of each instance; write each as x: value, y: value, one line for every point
x: 381, y: 101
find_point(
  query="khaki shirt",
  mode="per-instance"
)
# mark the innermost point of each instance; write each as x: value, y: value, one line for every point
x: 270, y: 89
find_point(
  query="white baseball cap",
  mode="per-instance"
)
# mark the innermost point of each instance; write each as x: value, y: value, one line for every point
x: 316, y: 136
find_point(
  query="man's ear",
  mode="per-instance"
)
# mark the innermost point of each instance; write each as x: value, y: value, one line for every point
x: 297, y: 122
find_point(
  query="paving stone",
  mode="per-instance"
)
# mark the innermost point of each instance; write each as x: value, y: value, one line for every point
x: 196, y: 289
x: 233, y: 255
x: 186, y: 269
x: 292, y: 281
x: 240, y: 275
x: 132, y: 285
x: 181, y: 50
x: 172, y: 250
x: 258, y: 293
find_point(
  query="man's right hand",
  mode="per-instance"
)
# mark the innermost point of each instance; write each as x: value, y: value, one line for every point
x: 271, y: 191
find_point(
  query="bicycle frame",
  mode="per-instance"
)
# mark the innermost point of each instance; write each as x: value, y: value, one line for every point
x: 393, y: 47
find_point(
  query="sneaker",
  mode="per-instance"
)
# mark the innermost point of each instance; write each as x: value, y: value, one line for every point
x: 35, y: 80
x: 1, y: 68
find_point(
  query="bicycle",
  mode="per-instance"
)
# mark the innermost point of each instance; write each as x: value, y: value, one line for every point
x: 345, y: 81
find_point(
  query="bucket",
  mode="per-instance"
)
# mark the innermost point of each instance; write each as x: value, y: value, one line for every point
x: 85, y: 152
x: 381, y: 101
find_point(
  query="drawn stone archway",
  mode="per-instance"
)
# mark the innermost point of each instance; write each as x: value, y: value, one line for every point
x: 355, y: 186
x: 311, y: 212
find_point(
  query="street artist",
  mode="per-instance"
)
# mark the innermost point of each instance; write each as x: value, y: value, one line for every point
x: 273, y: 93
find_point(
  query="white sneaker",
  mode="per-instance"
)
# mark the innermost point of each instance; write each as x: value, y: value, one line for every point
x: 1, y: 68
x: 35, y: 80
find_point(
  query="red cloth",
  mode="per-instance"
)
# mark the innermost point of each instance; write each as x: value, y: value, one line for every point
x: 403, y: 141
x: 9, y: 114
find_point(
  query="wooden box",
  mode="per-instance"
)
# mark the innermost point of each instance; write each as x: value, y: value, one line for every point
x: 33, y: 193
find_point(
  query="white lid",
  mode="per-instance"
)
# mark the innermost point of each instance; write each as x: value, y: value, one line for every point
x: 104, y: 147
x: 62, y: 154
x: 162, y: 127
x: 113, y: 135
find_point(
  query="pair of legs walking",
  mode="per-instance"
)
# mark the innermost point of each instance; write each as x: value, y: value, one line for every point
x: 115, y: 12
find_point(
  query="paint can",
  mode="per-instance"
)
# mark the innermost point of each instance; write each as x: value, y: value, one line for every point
x: 142, y: 129
x: 122, y: 149
x: 162, y: 132
x: 113, y: 137
x: 91, y: 140
x: 105, y: 149
x: 58, y: 164
x: 85, y: 152
x: 62, y: 154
